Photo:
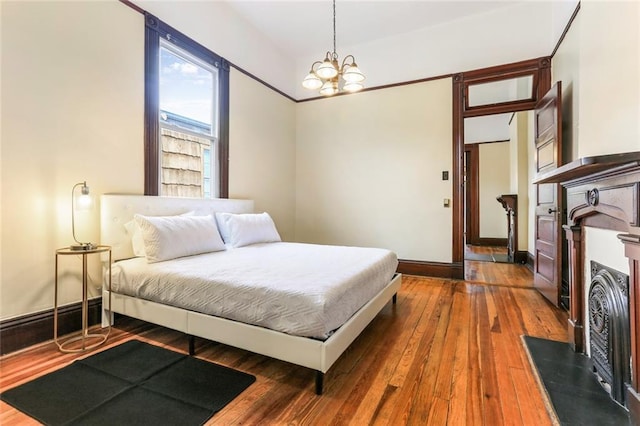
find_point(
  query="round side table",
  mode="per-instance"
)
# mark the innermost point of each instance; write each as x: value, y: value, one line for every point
x: 95, y: 339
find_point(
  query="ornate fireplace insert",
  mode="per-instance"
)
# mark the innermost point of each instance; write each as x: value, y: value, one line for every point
x: 609, y: 329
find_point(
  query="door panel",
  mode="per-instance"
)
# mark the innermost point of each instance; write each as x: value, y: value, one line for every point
x: 545, y: 266
x: 546, y: 193
x: 546, y: 155
x: 546, y: 229
x: 548, y: 232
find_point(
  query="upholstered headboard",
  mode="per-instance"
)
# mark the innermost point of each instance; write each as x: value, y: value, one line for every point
x: 116, y: 210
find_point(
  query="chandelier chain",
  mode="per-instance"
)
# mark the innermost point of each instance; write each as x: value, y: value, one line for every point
x: 334, y: 28
x: 331, y: 77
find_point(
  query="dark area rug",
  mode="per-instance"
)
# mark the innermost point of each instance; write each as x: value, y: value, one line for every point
x: 132, y: 383
x: 571, y: 387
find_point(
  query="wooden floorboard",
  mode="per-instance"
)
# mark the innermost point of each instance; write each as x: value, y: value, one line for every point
x: 449, y: 352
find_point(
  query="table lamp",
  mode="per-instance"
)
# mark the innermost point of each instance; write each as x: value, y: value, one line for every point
x: 84, y: 201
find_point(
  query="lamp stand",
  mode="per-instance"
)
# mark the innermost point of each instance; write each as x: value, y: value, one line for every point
x: 83, y: 247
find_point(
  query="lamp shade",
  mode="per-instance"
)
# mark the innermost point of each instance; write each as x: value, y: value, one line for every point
x: 352, y: 86
x: 326, y: 70
x: 84, y: 201
x: 329, y: 88
x: 312, y: 82
x: 353, y: 74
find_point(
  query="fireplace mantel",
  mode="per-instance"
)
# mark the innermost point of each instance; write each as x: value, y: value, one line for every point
x: 603, y: 192
x: 589, y: 167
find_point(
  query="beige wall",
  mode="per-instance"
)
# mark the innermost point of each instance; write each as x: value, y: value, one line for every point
x: 369, y: 170
x: 519, y: 170
x: 609, y: 77
x: 494, y: 180
x: 72, y: 110
x: 262, y: 150
x: 599, y: 65
x: 565, y: 68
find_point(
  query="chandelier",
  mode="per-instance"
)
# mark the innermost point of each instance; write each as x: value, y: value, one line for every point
x: 330, y: 77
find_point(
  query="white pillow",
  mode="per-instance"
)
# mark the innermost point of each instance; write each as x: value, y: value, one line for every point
x: 169, y: 237
x: 137, y: 243
x: 240, y: 230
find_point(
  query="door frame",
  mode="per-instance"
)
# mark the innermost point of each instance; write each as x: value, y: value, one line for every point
x: 471, y: 186
x: 540, y: 69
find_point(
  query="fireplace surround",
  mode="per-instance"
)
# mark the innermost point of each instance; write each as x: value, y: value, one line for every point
x: 604, y: 192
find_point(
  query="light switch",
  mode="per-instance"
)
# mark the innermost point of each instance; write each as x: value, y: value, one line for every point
x: 446, y: 202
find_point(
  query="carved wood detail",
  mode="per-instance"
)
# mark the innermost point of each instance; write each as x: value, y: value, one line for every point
x: 576, y: 287
x: 604, y: 192
x: 510, y: 204
x: 632, y: 251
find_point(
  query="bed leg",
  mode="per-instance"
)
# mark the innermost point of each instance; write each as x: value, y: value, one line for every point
x: 394, y: 299
x: 192, y: 345
x: 319, y: 382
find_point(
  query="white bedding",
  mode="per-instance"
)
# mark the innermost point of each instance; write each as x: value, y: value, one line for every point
x: 301, y: 289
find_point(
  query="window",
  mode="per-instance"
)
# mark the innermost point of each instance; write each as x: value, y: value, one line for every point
x: 501, y: 91
x: 186, y: 116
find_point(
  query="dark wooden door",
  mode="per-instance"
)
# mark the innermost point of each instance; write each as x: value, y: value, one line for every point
x: 471, y: 187
x: 548, y: 223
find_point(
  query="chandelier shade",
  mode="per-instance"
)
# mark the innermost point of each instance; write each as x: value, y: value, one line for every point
x: 353, y: 74
x: 326, y: 70
x: 329, y: 88
x: 331, y: 77
x: 352, y: 86
x: 312, y: 81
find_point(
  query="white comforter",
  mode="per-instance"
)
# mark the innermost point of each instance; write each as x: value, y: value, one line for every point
x: 301, y: 289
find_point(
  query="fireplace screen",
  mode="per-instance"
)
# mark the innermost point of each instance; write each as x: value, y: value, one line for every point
x: 609, y: 328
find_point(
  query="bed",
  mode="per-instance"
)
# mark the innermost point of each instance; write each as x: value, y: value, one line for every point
x: 259, y: 323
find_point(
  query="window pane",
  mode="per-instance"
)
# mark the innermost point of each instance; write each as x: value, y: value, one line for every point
x: 188, y: 124
x: 187, y: 93
x: 513, y: 89
x: 192, y: 83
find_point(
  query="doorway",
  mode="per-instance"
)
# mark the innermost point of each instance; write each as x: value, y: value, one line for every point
x: 506, y: 89
x: 486, y: 226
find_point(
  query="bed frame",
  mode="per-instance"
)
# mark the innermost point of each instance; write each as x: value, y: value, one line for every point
x: 116, y: 210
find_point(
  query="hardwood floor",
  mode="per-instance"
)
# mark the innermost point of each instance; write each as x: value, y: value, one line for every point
x: 449, y: 352
x: 485, y: 249
x: 503, y: 274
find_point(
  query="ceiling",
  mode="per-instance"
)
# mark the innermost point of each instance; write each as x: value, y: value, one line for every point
x: 401, y: 40
x: 366, y: 27
x: 303, y: 26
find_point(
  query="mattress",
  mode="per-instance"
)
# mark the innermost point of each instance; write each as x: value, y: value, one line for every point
x: 301, y: 289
